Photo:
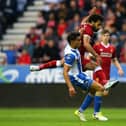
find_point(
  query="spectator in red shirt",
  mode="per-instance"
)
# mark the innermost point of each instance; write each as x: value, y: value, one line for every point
x: 33, y: 35
x: 51, y: 21
x: 24, y: 58
x: 61, y: 27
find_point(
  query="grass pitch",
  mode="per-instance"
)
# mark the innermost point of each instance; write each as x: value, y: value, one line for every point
x: 58, y: 117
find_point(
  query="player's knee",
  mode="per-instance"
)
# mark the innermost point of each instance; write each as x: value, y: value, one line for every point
x: 105, y: 93
x: 92, y: 92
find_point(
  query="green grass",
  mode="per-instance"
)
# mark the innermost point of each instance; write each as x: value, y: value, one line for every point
x: 58, y: 117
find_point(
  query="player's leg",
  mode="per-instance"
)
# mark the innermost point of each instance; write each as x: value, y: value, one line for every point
x: 98, y: 101
x: 50, y: 64
x: 85, y: 104
x: 97, y: 105
x: 85, y: 83
x: 88, y: 100
x: 99, y: 74
x: 94, y: 87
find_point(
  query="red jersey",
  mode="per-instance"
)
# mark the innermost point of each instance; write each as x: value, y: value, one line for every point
x: 107, y: 53
x: 85, y: 29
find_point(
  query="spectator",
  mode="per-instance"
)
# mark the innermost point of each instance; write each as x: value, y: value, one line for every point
x: 114, y: 40
x: 10, y: 11
x: 61, y: 27
x: 62, y: 11
x: 50, y: 51
x: 42, y: 40
x: 34, y: 37
x: 75, y: 23
x: 21, y: 6
x: 37, y: 54
x: 28, y: 45
x: 51, y: 35
x: 51, y: 22
x: 24, y: 58
x: 73, y: 9
x: 62, y: 45
x: 110, y: 19
x: 120, y: 12
x: 41, y: 23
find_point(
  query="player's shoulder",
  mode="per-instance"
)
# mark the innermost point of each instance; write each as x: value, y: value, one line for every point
x: 69, y: 50
x: 86, y: 26
x: 87, y: 29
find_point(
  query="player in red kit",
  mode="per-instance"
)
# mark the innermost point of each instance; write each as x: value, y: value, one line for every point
x: 107, y: 53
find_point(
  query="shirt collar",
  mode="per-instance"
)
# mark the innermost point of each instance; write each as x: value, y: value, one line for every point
x: 106, y: 46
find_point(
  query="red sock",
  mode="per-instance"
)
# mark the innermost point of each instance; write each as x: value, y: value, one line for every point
x: 100, y: 77
x: 50, y: 64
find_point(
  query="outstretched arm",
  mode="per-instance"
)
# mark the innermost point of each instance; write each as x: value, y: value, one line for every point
x: 91, y: 12
x: 50, y: 64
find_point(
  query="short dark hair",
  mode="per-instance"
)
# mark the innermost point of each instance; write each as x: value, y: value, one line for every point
x: 72, y: 36
x: 104, y: 31
x: 95, y: 18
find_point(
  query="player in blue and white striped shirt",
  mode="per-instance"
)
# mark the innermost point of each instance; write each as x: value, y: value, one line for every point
x: 72, y: 70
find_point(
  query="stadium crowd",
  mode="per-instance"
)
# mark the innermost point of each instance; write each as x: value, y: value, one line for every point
x: 10, y: 10
x: 47, y: 39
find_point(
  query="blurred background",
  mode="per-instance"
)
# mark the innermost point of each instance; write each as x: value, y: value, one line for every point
x: 34, y: 32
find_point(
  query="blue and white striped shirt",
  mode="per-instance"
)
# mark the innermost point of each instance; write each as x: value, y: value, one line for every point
x: 72, y: 59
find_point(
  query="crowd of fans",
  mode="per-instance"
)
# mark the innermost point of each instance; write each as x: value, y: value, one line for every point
x: 10, y: 10
x: 47, y: 40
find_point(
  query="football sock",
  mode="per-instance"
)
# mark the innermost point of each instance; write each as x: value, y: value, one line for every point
x: 97, y: 103
x: 50, y: 64
x: 87, y: 101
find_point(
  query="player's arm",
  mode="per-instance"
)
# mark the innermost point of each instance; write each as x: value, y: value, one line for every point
x: 68, y: 62
x: 71, y: 89
x: 50, y: 64
x: 91, y: 12
x: 89, y: 48
x: 117, y: 64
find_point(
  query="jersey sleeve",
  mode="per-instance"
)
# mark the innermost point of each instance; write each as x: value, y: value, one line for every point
x: 69, y: 59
